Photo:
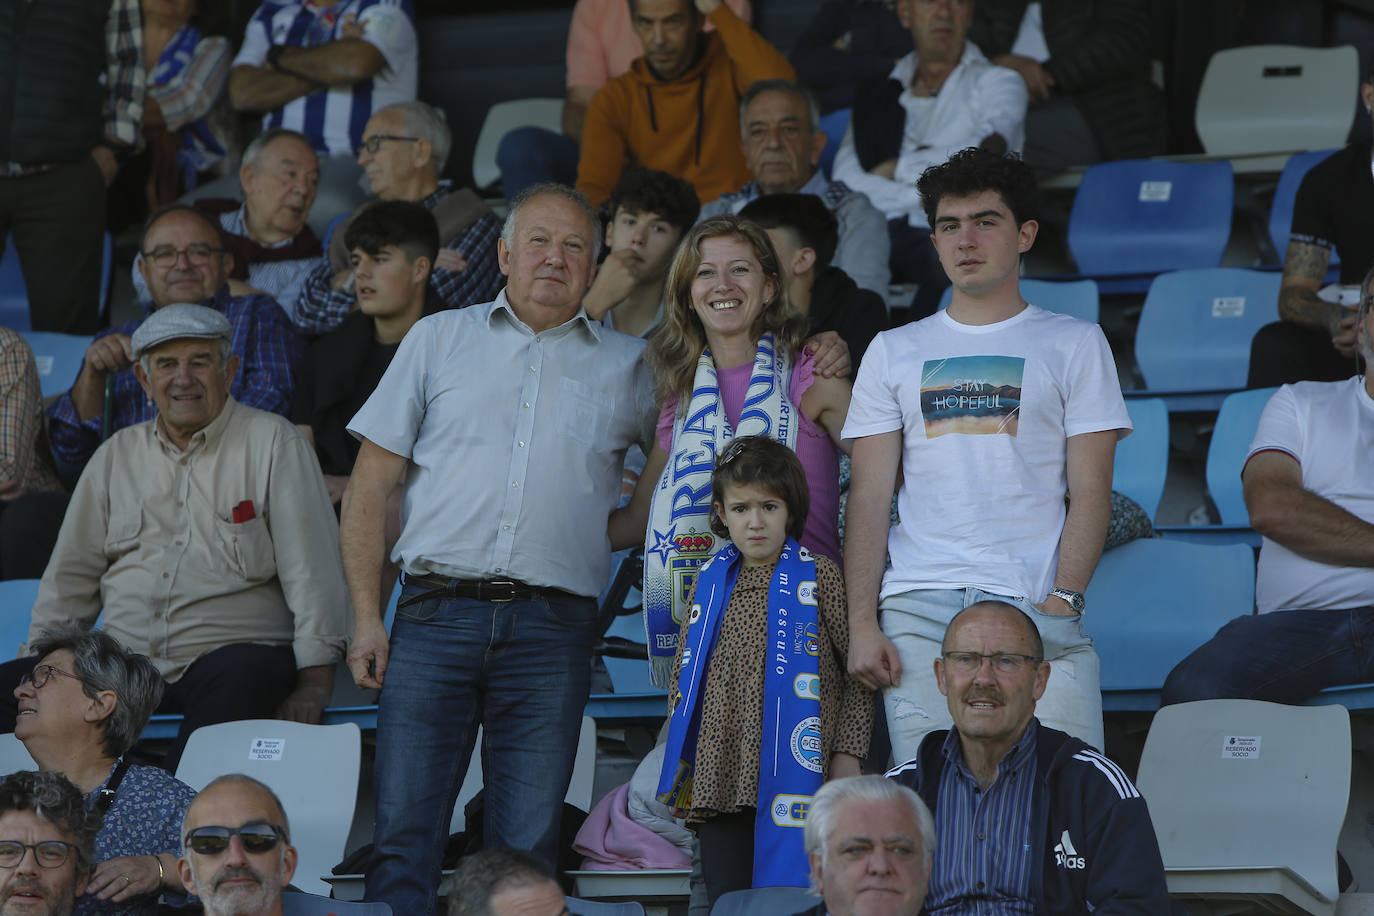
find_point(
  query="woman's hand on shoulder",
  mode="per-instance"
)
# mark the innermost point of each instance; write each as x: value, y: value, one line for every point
x: 830, y: 353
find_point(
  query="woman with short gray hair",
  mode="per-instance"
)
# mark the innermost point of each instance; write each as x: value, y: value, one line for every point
x: 80, y: 711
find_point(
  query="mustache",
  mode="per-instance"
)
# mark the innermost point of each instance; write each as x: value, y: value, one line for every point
x: 232, y: 873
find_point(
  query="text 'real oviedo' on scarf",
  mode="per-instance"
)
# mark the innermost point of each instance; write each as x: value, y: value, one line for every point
x: 679, y: 537
x: 790, y: 749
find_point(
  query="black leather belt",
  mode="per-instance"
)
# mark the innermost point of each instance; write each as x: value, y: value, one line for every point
x: 498, y: 590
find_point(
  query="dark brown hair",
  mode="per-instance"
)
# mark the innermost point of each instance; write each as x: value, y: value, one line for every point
x: 757, y: 461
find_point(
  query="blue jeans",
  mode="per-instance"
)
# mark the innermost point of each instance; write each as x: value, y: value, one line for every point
x: 1281, y: 657
x: 531, y: 155
x: 520, y: 669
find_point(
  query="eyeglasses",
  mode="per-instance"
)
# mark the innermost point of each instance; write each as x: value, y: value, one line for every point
x: 48, y: 854
x: 41, y: 674
x: 256, y: 838
x: 374, y: 142
x: 165, y: 256
x: 1002, y: 662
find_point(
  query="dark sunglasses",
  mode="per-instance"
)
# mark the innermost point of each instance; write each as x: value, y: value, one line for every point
x: 256, y: 838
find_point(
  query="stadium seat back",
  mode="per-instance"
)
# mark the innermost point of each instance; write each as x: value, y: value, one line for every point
x: 1146, y: 216
x: 1286, y: 195
x: 59, y: 358
x: 312, y: 768
x: 1195, y: 329
x: 1247, y: 800
x: 1231, y: 437
x: 294, y: 903
x: 765, y: 901
x: 1142, y: 459
x: 1160, y: 600
x: 502, y: 118
x: 1272, y: 98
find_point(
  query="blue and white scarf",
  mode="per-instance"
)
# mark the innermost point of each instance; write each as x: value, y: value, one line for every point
x: 679, y: 537
x: 790, y: 749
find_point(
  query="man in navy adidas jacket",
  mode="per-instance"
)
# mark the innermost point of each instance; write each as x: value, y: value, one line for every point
x: 1029, y: 819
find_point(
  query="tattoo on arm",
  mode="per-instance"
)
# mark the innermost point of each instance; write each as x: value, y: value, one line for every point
x: 1304, y: 265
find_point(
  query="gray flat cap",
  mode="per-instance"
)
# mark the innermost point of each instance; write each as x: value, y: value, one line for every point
x: 179, y: 321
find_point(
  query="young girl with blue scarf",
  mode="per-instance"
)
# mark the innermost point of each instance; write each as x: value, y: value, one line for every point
x: 762, y: 707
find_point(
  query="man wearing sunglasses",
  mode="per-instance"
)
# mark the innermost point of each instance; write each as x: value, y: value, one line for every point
x: 1029, y: 819
x: 238, y: 854
x: 47, y: 844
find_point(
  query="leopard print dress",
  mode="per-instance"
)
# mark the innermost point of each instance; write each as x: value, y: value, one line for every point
x: 725, y: 777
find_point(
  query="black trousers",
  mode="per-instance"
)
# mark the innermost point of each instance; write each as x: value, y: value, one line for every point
x: 727, y: 853
x: 56, y: 220
x: 1285, y: 352
x: 237, y: 681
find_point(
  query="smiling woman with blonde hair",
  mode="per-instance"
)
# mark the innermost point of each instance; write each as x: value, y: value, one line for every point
x: 727, y: 363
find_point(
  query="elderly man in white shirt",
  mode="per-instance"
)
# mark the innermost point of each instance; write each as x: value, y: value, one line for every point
x: 507, y: 423
x: 942, y: 97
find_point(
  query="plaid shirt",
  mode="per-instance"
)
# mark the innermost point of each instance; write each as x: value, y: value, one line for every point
x: 125, y: 76
x: 322, y: 308
x: 262, y: 337
x: 21, y: 418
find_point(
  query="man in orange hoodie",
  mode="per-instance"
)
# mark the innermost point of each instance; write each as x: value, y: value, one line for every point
x: 676, y: 110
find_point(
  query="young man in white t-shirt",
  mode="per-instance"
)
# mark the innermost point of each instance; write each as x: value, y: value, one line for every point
x: 1309, y: 486
x: 995, y: 412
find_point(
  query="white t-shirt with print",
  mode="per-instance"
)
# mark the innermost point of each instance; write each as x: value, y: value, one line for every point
x: 985, y: 413
x: 1329, y: 428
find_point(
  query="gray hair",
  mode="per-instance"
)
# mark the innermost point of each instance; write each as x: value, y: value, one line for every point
x: 252, y: 154
x: 779, y: 85
x: 226, y: 349
x: 576, y: 197
x: 53, y: 799
x: 240, y: 779
x: 820, y: 819
x: 103, y: 664
x: 481, y: 876
x: 427, y: 123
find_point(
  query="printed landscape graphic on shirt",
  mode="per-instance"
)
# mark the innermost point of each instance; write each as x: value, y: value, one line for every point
x: 972, y: 395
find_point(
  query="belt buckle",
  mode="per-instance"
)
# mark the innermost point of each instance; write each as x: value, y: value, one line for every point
x: 509, y: 584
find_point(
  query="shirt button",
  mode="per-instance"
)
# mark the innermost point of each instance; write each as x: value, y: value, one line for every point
x: 498, y: 569
x: 177, y: 542
x: 515, y: 483
x: 980, y: 885
x: 505, y: 527
x: 532, y: 369
x: 527, y: 404
x: 522, y: 445
x: 980, y: 836
x: 164, y: 575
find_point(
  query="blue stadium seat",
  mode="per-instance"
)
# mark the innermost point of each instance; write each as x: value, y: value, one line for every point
x: 1281, y: 209
x: 1076, y: 298
x: 59, y: 358
x: 765, y: 901
x: 1193, y: 341
x: 14, y: 297
x: 1140, y: 217
x: 1153, y: 601
x: 834, y: 124
x: 1231, y: 438
x: 298, y: 903
x: 1142, y: 458
x: 579, y: 907
x: 16, y: 601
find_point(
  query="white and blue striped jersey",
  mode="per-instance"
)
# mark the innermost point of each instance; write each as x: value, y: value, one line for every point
x: 333, y: 118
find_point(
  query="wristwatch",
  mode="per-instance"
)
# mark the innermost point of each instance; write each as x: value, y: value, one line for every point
x: 1073, y: 599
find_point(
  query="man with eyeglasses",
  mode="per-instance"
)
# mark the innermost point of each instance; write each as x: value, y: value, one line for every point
x: 47, y: 844
x: 1029, y: 819
x: 184, y: 260
x: 262, y: 212
x: 404, y: 149
x: 238, y: 854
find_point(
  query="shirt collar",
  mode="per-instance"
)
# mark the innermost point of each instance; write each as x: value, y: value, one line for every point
x: 431, y: 200
x: 905, y: 68
x: 1021, y: 752
x: 582, y: 319
x: 817, y: 184
x: 219, y: 302
x: 236, y: 223
x: 205, y: 438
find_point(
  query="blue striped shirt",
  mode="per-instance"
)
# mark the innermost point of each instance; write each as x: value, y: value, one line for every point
x: 983, y: 860
x: 333, y: 117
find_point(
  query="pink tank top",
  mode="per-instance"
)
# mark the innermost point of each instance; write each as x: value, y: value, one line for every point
x: 816, y: 452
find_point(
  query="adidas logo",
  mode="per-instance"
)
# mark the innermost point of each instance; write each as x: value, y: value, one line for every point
x: 1065, y: 856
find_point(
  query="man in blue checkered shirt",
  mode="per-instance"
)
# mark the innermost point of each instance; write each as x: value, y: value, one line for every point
x: 184, y: 260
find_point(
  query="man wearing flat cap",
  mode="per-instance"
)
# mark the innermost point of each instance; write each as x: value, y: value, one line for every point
x: 207, y: 537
